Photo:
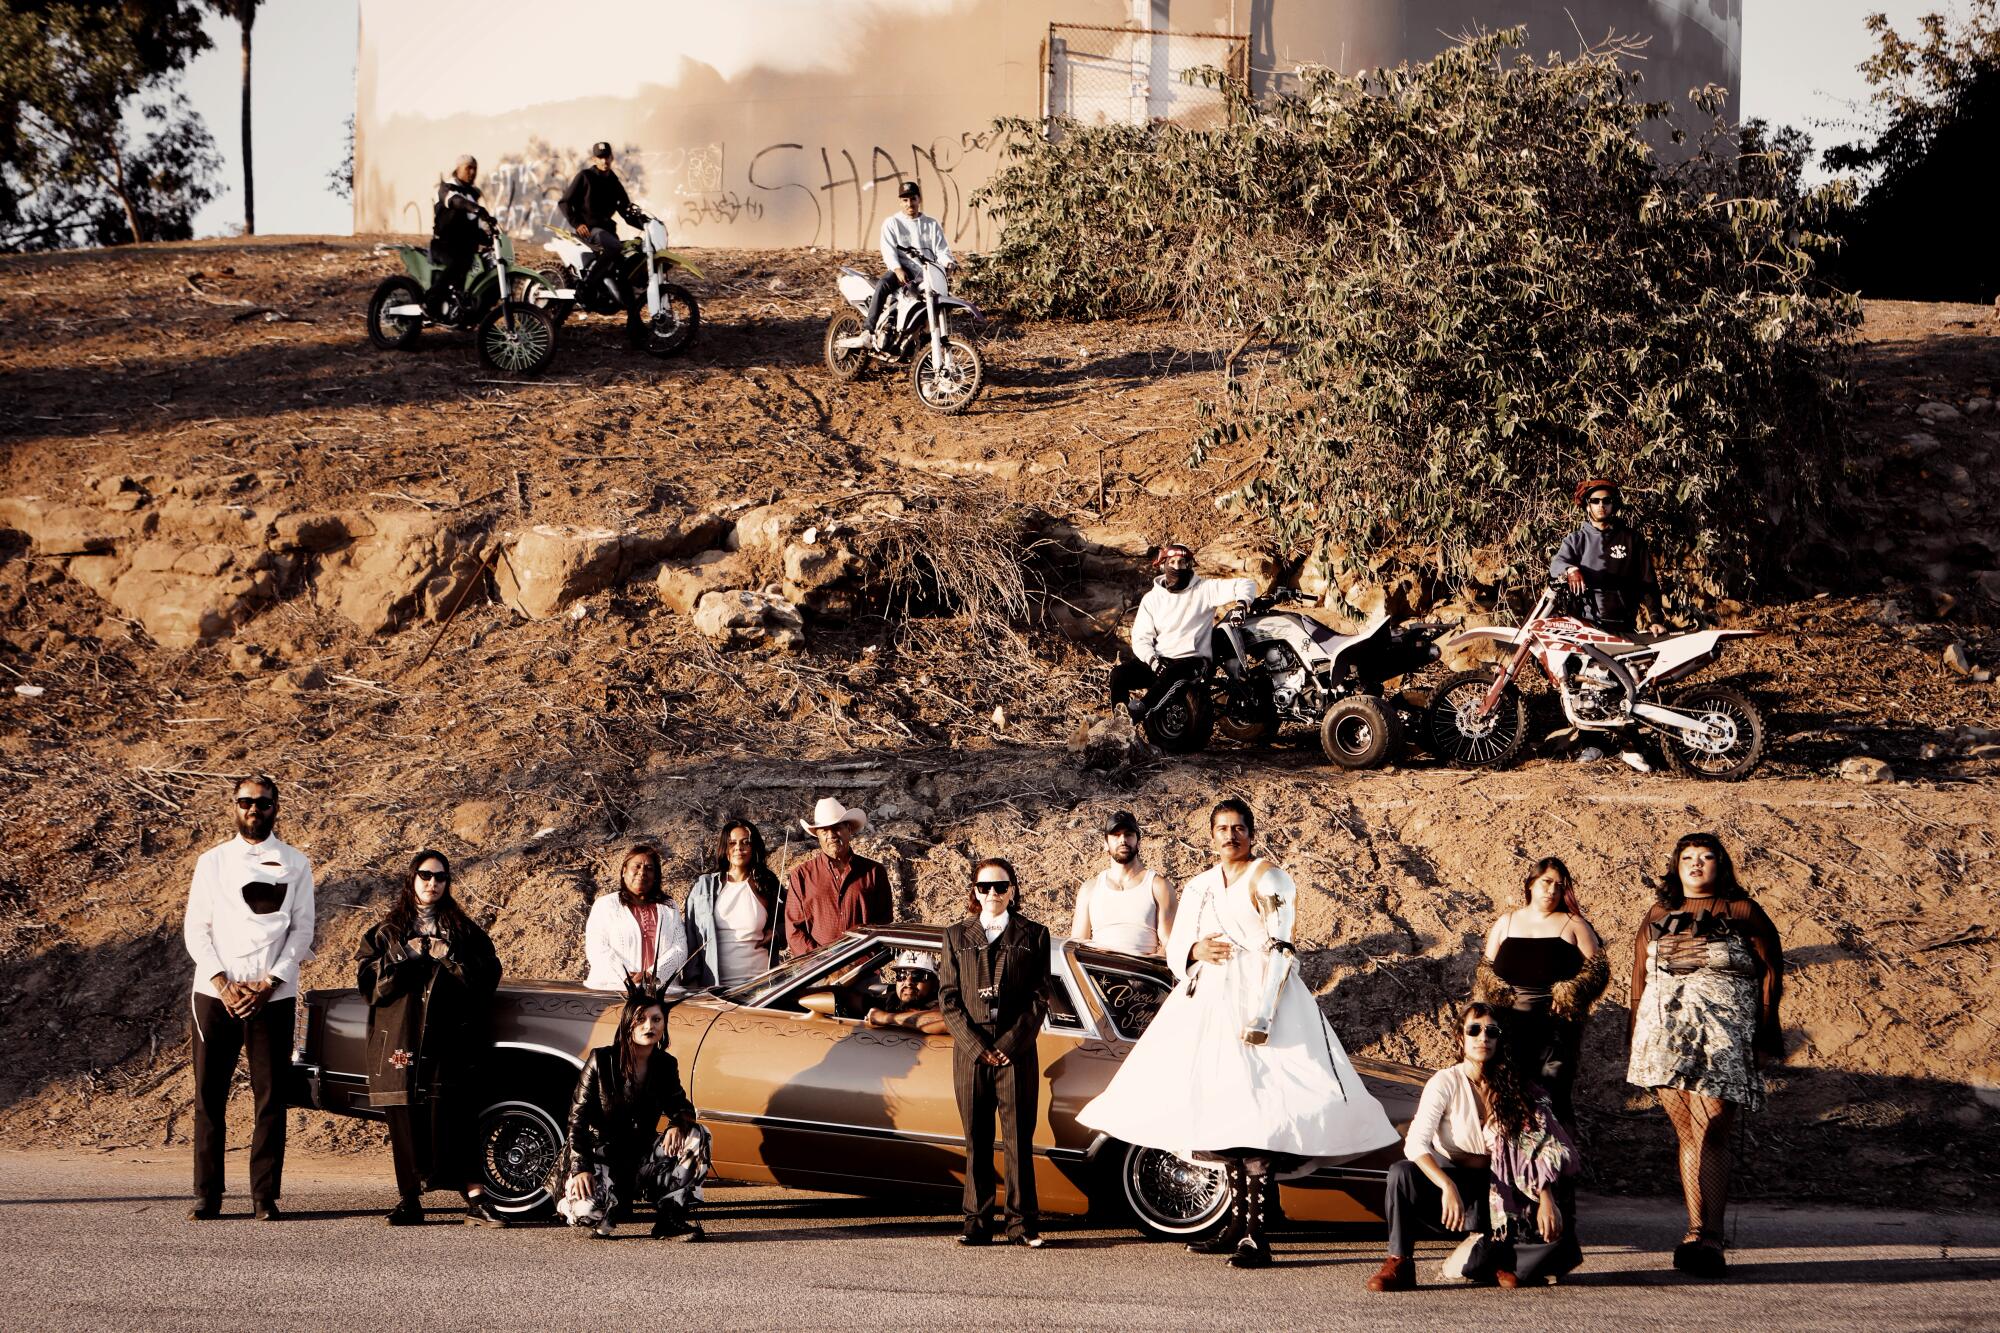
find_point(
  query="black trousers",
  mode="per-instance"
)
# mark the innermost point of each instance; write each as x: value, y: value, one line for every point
x: 219, y: 1037
x: 883, y: 286
x: 1128, y: 676
x: 1013, y: 1092
x: 605, y: 253
x: 428, y: 1144
x: 450, y: 258
x: 1414, y: 1202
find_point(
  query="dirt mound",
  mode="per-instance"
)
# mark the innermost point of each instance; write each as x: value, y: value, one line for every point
x: 376, y: 661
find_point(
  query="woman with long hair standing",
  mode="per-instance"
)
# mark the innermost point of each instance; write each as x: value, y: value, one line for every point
x: 617, y: 1154
x: 1486, y: 1155
x: 733, y: 912
x: 1707, y: 973
x: 428, y: 973
x: 634, y: 937
x: 1544, y: 962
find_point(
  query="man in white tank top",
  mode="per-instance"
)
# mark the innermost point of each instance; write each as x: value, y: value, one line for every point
x: 1124, y: 906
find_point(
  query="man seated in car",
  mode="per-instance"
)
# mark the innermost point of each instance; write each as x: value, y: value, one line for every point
x: 915, y: 1005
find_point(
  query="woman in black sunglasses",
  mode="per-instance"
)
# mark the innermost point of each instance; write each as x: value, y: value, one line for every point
x: 1484, y: 1155
x: 428, y: 973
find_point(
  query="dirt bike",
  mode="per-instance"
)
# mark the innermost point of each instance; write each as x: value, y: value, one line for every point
x: 514, y: 334
x: 1270, y: 667
x: 663, y: 316
x: 1607, y: 682
x: 945, y: 368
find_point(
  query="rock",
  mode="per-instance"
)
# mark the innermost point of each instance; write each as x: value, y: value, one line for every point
x: 767, y: 528
x: 316, y: 532
x: 744, y: 618
x: 1111, y: 553
x: 1974, y: 406
x: 825, y: 576
x: 1957, y: 659
x: 541, y: 571
x: 408, y: 566
x: 476, y: 822
x: 681, y: 583
x: 673, y: 536
x: 1989, y: 584
x: 185, y: 596
x: 1936, y: 412
x: 1241, y: 556
x: 1917, y: 444
x: 59, y: 529
x: 1863, y: 768
x: 1113, y: 742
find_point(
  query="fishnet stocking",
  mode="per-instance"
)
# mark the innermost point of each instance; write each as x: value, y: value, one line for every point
x: 1702, y: 1125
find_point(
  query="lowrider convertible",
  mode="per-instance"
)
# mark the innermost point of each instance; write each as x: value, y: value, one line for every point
x: 798, y: 1092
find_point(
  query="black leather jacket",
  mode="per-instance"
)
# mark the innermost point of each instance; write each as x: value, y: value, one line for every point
x: 609, y: 1128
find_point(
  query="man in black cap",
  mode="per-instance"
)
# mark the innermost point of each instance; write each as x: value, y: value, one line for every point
x: 1124, y: 906
x: 911, y: 229
x: 593, y: 203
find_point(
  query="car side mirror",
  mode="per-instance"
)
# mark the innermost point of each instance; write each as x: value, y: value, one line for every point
x: 821, y: 1002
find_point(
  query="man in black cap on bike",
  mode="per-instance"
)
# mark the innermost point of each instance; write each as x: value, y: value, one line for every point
x: 458, y: 224
x: 593, y: 203
x: 911, y: 229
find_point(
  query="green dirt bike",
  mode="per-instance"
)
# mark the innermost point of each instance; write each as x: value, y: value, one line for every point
x: 500, y: 301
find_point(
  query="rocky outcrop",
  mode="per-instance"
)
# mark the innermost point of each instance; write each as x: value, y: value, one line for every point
x: 185, y: 595
x: 396, y: 567
x: 548, y: 567
x: 746, y: 618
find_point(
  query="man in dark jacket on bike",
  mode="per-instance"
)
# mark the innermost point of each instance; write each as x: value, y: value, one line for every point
x: 458, y: 224
x: 593, y: 203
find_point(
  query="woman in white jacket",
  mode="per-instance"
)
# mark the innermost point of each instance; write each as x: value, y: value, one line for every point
x: 635, y: 934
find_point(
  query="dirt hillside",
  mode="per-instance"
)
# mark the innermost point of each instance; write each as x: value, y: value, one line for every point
x: 479, y: 615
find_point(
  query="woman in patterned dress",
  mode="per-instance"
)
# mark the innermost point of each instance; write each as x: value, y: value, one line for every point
x: 1707, y: 971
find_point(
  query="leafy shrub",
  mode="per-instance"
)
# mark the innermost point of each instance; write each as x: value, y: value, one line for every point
x: 1480, y: 284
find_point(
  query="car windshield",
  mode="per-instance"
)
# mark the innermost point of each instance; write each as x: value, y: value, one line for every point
x: 756, y: 991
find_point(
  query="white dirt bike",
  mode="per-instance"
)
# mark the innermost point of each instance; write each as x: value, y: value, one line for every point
x: 664, y: 316
x: 945, y: 367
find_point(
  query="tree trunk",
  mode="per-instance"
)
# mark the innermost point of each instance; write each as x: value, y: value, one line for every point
x: 125, y: 195
x: 247, y: 15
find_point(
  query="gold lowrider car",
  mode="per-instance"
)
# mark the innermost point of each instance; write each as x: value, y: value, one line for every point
x: 798, y: 1092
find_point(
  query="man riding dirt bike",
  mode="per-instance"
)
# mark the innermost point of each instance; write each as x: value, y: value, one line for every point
x: 911, y: 231
x: 593, y: 203
x: 459, y: 222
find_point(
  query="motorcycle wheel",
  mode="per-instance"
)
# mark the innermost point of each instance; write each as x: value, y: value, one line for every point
x: 670, y: 329
x: 525, y: 349
x: 392, y: 333
x: 1358, y: 732
x: 1455, y: 735
x: 845, y: 363
x: 1718, y: 705
x: 952, y: 392
x: 1181, y: 725
x: 537, y: 294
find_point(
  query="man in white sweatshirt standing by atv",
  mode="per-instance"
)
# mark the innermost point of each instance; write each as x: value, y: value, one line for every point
x: 911, y: 229
x: 1171, y: 633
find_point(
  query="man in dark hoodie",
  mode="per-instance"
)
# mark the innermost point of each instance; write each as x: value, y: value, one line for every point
x: 1608, y: 564
x: 593, y: 203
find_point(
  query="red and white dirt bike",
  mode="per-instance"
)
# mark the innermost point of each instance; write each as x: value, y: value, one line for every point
x: 1607, y: 682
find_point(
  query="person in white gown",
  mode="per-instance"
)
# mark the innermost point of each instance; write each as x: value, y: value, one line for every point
x: 1194, y: 1086
x: 1126, y: 906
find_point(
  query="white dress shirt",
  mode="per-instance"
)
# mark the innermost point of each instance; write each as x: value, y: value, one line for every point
x: 224, y: 935
x: 1447, y: 1125
x: 612, y: 945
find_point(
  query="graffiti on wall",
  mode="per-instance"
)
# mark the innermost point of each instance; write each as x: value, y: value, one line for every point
x: 822, y: 194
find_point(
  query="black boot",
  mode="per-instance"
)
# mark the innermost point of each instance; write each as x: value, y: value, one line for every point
x: 1253, y: 1250
x: 1224, y: 1241
x: 673, y: 1221
x: 409, y: 1212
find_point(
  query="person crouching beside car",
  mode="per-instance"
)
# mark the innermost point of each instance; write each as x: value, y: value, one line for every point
x: 428, y: 973
x: 617, y: 1153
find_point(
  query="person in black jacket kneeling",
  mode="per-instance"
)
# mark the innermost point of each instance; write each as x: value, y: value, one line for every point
x: 428, y: 973
x: 993, y: 989
x: 617, y: 1153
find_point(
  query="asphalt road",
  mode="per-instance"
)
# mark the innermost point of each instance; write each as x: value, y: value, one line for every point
x: 100, y: 1241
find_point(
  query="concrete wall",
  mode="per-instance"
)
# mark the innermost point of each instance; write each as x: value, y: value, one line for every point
x: 792, y: 122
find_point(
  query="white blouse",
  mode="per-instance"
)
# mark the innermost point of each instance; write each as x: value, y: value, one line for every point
x: 612, y: 945
x: 1447, y: 1125
x: 740, y: 918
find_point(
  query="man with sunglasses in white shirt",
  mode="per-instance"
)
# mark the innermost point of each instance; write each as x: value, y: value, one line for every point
x: 249, y: 927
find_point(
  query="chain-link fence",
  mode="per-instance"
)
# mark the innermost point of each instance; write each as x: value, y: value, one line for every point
x: 1133, y: 76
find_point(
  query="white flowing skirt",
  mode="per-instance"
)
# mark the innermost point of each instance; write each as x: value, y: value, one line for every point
x: 1193, y: 1087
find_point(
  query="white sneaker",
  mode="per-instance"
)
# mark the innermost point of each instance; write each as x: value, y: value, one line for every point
x: 1589, y: 754
x: 1635, y: 761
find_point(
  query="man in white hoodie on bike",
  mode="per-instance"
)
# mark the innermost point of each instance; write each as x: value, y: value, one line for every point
x: 1171, y: 635
x: 911, y: 229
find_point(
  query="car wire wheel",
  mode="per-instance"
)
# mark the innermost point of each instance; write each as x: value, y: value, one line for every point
x: 1170, y: 1196
x: 516, y: 1153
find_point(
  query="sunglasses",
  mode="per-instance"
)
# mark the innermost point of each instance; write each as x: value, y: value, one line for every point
x: 1597, y: 500
x: 441, y: 876
x: 1482, y: 1030
x: 256, y: 803
x: 909, y: 974
x: 986, y: 886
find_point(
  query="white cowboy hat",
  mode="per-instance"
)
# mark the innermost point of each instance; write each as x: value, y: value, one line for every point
x: 830, y: 812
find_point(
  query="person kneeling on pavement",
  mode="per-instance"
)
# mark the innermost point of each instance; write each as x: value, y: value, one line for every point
x: 1172, y: 631
x: 617, y: 1154
x: 915, y: 1006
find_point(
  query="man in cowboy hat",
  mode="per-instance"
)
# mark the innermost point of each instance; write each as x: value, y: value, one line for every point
x: 833, y: 889
x: 914, y: 975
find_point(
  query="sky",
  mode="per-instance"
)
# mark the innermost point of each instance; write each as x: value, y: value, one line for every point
x: 1799, y: 59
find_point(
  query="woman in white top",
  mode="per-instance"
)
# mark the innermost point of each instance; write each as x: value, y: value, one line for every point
x: 635, y: 935
x: 1125, y: 906
x: 731, y: 913
x: 1448, y: 1174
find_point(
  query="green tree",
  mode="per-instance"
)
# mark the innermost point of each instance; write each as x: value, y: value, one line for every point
x: 93, y: 126
x: 1917, y: 232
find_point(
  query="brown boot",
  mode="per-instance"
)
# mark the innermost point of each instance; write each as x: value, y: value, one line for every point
x: 1395, y: 1274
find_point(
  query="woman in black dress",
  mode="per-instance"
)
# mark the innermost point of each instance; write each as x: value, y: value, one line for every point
x: 1544, y: 963
x: 428, y: 973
